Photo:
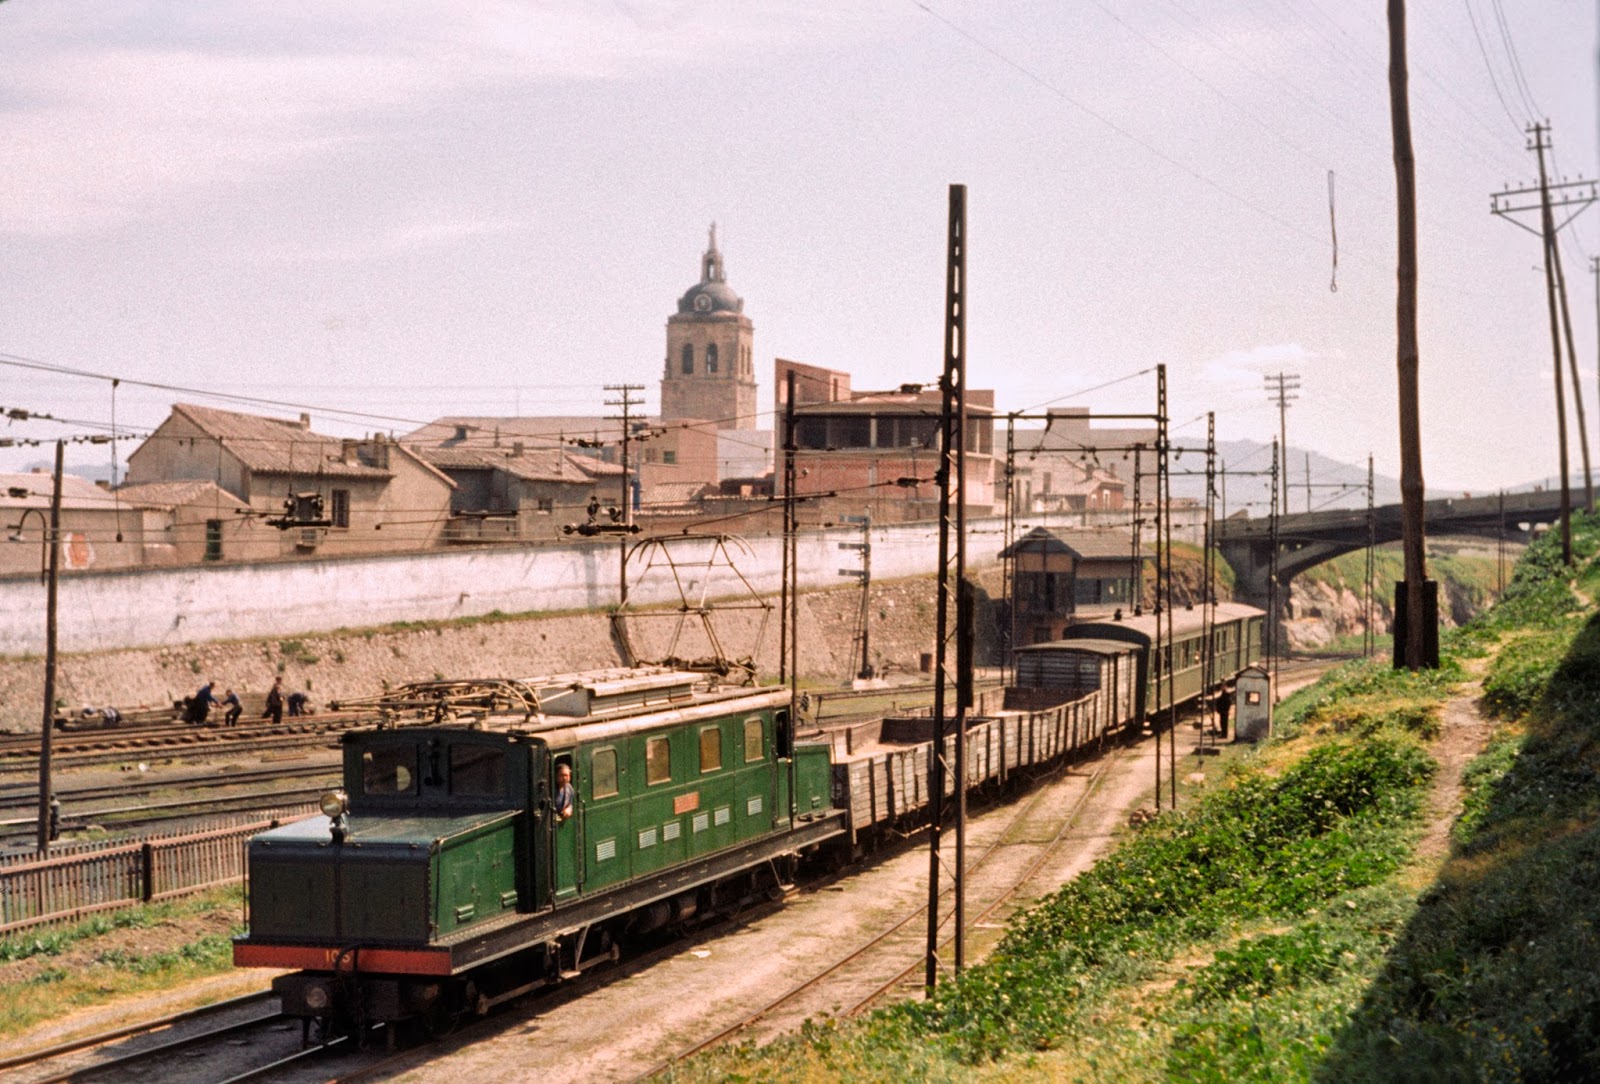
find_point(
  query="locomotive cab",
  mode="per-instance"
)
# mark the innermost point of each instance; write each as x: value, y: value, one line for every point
x: 431, y: 842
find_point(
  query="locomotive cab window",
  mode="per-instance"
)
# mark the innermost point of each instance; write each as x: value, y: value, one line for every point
x: 753, y: 745
x: 657, y: 761
x: 477, y: 771
x: 603, y: 772
x: 710, y: 749
x: 389, y: 769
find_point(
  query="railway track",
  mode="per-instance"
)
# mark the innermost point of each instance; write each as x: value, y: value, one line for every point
x: 21, y: 751
x: 167, y: 1043
x: 896, y: 939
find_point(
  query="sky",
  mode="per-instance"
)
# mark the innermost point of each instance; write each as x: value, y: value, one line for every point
x: 385, y: 212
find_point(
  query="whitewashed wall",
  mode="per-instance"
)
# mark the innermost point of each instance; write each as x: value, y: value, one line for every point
x: 156, y: 607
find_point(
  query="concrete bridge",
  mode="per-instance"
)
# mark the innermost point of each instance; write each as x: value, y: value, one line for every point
x: 1307, y: 539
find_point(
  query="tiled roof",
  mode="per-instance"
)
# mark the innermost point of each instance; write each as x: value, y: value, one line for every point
x: 276, y: 445
x: 34, y: 489
x: 500, y: 432
x: 533, y: 464
x: 176, y: 494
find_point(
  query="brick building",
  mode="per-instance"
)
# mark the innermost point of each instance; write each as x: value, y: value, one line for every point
x: 879, y: 449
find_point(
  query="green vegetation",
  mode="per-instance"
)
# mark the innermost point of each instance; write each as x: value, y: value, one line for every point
x: 1494, y: 978
x: 1306, y: 838
x: 296, y: 651
x: 1283, y: 927
x: 47, y: 972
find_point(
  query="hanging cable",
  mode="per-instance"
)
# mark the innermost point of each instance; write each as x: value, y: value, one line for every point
x: 1333, y: 229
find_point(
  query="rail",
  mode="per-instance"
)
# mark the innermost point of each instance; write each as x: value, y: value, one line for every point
x: 72, y: 886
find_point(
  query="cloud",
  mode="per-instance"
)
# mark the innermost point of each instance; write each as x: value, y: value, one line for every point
x: 111, y: 116
x: 1244, y: 367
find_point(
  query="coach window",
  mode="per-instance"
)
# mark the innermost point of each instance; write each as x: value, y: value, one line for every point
x: 752, y: 739
x: 711, y: 749
x: 657, y: 761
x: 603, y: 772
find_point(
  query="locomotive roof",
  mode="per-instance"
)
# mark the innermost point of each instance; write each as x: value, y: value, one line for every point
x: 619, y: 704
x: 1084, y: 643
x: 1142, y: 629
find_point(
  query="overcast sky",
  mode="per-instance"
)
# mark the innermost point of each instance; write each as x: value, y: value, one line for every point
x: 491, y: 208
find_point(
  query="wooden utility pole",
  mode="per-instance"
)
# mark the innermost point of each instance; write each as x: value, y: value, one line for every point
x: 1284, y: 389
x: 1572, y: 197
x: 627, y: 403
x: 1572, y: 367
x: 1407, y: 359
x: 53, y: 541
x: 1548, y: 229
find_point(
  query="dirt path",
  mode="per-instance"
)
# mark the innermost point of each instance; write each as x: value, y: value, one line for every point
x: 1464, y: 731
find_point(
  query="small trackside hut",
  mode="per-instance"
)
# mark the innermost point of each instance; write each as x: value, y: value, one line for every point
x: 443, y: 879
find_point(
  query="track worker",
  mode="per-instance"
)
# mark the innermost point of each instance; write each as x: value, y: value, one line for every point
x: 230, y: 700
x: 274, y: 702
x: 1224, y: 702
x: 200, y: 704
x: 564, y: 796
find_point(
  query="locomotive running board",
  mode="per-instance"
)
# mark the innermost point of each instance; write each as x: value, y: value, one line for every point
x: 471, y: 948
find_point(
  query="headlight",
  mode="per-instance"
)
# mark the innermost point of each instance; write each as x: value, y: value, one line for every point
x: 334, y: 803
x: 316, y: 998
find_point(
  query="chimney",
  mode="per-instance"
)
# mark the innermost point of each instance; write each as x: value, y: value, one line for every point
x: 461, y: 432
x: 305, y: 421
x: 516, y: 448
x: 347, y: 451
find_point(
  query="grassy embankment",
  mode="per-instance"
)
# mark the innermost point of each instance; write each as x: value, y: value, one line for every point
x: 1284, y: 926
x: 47, y: 973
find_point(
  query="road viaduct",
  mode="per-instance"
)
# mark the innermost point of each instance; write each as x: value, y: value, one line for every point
x: 1307, y: 539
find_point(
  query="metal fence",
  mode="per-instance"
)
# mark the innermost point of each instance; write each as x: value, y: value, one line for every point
x: 70, y: 886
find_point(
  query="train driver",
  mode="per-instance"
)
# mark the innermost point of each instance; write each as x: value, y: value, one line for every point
x: 564, y: 794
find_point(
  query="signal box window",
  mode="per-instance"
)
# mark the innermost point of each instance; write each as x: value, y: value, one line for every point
x: 603, y: 772
x: 710, y: 749
x: 389, y: 769
x: 657, y: 761
x: 477, y: 771
x: 752, y: 740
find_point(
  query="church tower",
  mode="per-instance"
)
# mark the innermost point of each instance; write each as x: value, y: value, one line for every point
x: 710, y: 374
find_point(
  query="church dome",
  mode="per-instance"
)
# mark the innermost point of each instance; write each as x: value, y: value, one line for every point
x: 712, y: 294
x: 706, y: 298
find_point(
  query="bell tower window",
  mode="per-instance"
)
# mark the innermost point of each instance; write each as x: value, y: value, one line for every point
x: 688, y: 359
x: 711, y: 358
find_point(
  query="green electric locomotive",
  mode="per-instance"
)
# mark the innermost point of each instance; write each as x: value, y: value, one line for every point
x: 455, y: 869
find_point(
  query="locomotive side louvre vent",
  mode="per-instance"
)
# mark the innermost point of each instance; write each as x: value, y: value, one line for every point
x: 647, y: 838
x: 724, y: 814
x: 671, y: 830
x: 753, y: 806
x: 604, y: 850
x: 702, y: 821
